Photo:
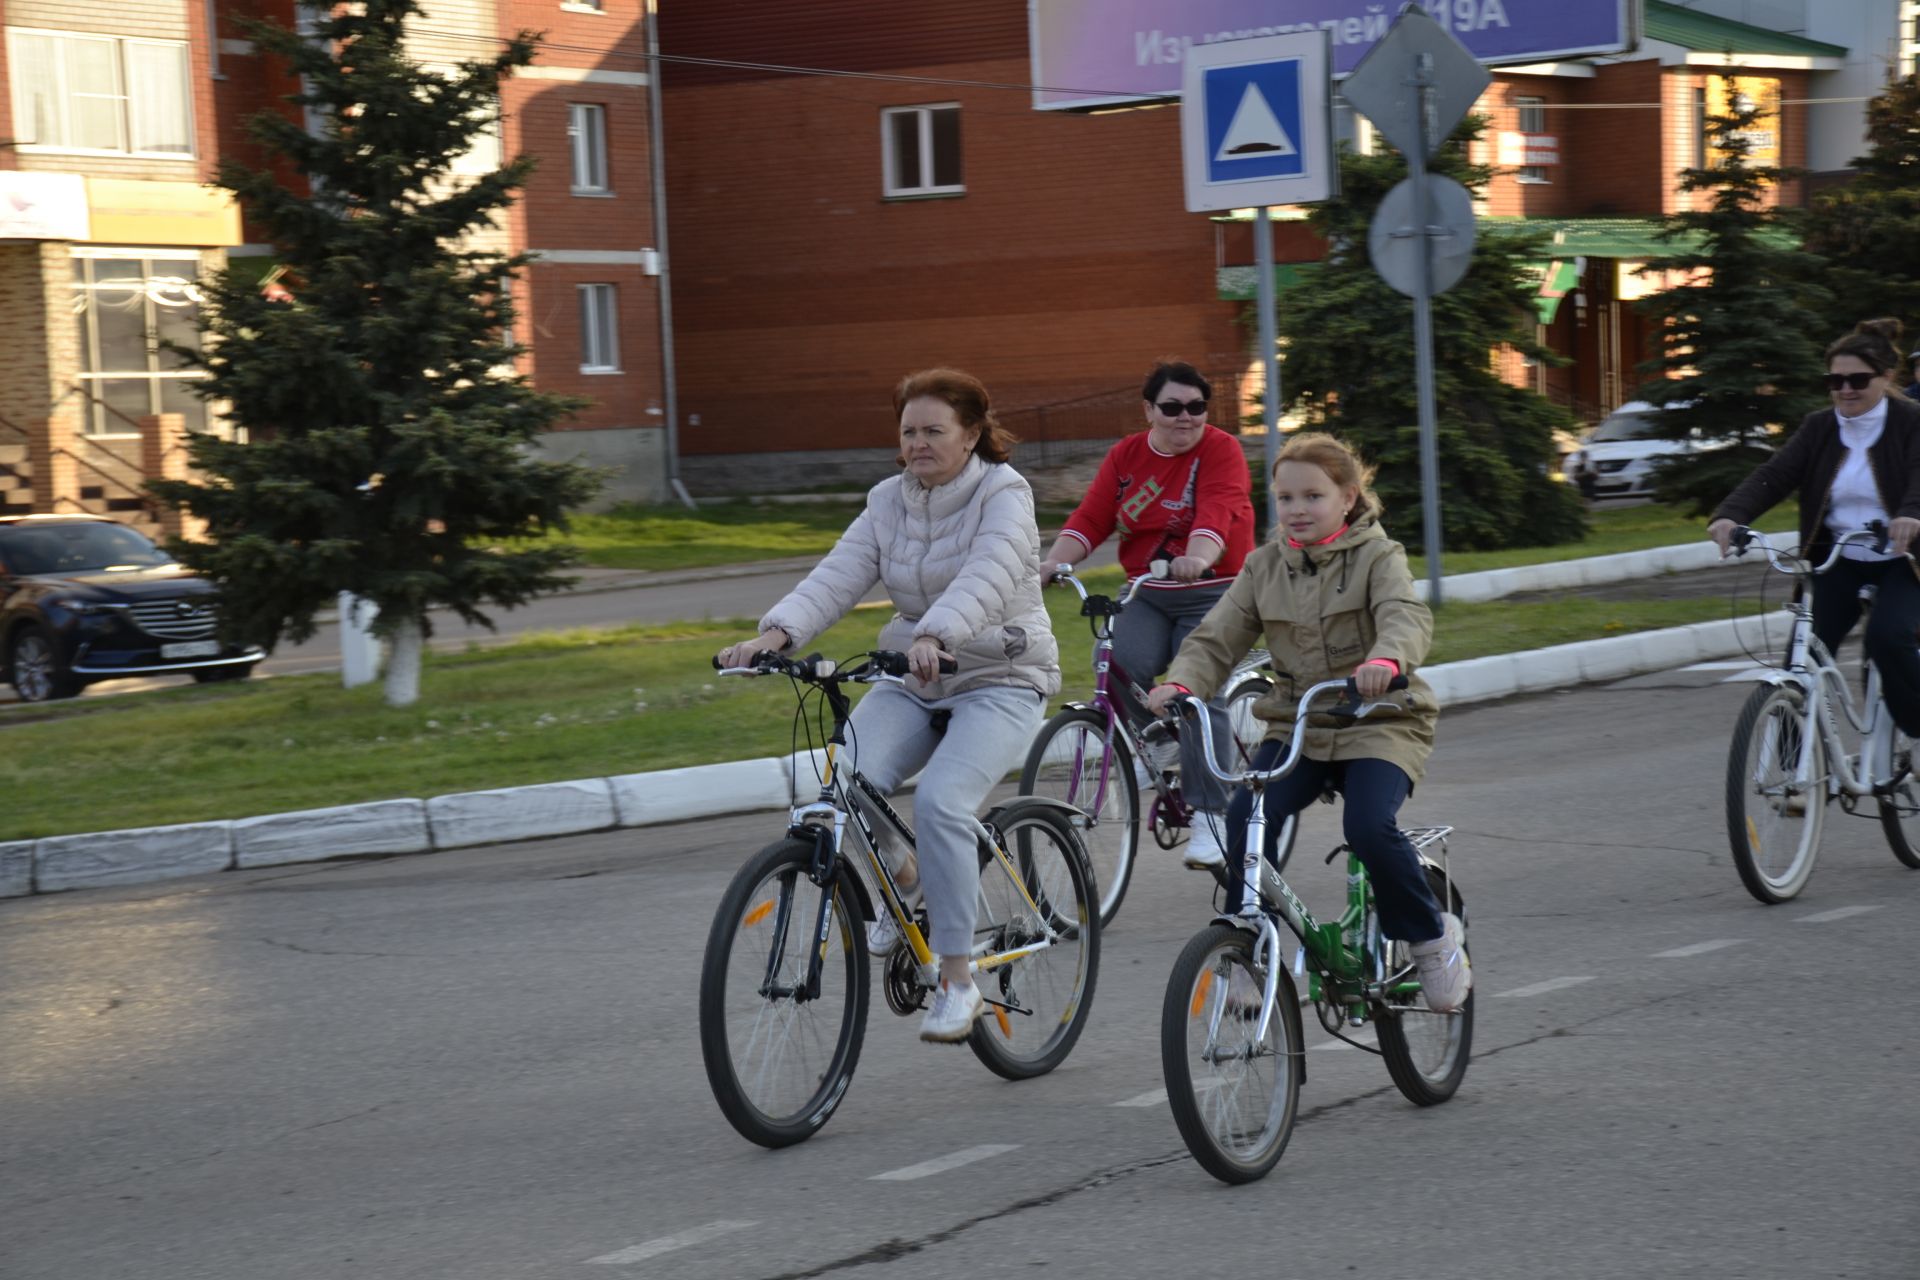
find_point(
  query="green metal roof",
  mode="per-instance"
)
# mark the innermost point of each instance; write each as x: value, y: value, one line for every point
x: 1705, y: 33
x: 1636, y: 238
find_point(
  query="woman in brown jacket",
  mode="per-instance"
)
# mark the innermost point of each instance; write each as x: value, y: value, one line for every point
x: 1856, y: 462
x: 1332, y: 596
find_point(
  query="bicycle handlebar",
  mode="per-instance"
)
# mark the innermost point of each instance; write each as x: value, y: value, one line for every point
x: 1191, y: 708
x: 881, y: 664
x: 1744, y: 537
x: 1156, y: 572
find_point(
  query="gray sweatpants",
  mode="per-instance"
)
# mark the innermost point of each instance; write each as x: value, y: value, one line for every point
x: 891, y: 736
x: 1150, y: 632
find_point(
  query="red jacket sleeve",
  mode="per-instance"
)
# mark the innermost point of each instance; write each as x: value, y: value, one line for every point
x: 1224, y: 498
x: 1098, y: 512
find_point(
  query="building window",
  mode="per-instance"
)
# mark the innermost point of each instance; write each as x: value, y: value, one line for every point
x: 582, y: 6
x: 587, y: 140
x: 920, y: 150
x: 125, y: 307
x: 99, y: 93
x: 1533, y: 120
x: 599, y: 330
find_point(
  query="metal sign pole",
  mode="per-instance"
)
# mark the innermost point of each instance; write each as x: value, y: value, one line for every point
x: 1269, y: 359
x: 1423, y: 328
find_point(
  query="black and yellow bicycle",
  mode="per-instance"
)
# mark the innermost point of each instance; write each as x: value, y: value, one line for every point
x: 786, y: 980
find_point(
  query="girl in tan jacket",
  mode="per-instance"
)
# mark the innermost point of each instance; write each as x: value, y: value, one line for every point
x: 1332, y: 597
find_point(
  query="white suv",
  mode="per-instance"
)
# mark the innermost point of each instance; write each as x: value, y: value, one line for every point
x: 1616, y: 458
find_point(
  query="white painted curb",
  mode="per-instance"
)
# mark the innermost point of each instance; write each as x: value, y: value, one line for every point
x: 744, y: 786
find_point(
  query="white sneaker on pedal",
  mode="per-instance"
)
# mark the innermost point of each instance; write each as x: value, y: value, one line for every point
x: 883, y: 935
x: 1794, y: 805
x: 1203, y: 846
x: 950, y: 1018
x: 1445, y: 975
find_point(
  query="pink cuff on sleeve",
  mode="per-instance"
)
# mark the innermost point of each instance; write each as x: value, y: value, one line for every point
x: 1388, y: 663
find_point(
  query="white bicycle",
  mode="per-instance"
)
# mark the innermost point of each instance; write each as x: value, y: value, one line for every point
x: 1788, y: 757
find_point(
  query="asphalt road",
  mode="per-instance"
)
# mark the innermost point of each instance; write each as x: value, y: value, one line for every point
x: 485, y: 1065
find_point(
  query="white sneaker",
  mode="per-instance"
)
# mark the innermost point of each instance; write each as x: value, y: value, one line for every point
x: 1445, y: 974
x: 883, y: 935
x: 950, y: 1018
x: 1203, y: 846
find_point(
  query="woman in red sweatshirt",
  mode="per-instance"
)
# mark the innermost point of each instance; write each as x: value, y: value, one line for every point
x: 1179, y: 491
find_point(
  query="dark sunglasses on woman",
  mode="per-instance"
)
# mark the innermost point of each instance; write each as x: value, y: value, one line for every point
x: 1174, y: 408
x: 1835, y: 381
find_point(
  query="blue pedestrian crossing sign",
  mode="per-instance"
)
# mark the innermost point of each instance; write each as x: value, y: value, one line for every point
x: 1253, y: 116
x: 1256, y: 125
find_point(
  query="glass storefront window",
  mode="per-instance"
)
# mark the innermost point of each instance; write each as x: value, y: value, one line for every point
x: 125, y: 307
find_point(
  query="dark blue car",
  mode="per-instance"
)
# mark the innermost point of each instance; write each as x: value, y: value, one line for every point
x: 85, y: 599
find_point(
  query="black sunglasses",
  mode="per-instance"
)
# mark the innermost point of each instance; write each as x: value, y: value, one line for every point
x: 1174, y: 408
x: 1858, y: 381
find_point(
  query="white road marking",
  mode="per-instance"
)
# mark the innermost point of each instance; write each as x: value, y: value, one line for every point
x: 1151, y: 1098
x: 1698, y: 948
x: 1541, y: 988
x: 1154, y: 1097
x: 940, y: 1164
x: 1838, y: 913
x: 667, y: 1244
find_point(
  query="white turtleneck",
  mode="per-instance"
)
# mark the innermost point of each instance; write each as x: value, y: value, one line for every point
x: 1854, y: 501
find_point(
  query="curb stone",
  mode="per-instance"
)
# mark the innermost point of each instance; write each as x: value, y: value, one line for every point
x: 735, y: 786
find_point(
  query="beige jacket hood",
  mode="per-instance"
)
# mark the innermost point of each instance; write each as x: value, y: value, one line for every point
x: 1322, y: 611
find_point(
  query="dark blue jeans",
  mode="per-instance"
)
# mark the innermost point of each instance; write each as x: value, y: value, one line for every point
x: 1374, y: 791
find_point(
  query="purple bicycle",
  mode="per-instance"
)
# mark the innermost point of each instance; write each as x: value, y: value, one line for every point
x: 1098, y: 755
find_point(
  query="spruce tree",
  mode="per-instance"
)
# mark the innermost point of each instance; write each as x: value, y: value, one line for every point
x: 1869, y: 229
x: 1349, y: 367
x: 385, y: 449
x: 1739, y: 344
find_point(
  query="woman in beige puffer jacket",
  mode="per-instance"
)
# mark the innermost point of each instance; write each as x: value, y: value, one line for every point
x: 954, y: 542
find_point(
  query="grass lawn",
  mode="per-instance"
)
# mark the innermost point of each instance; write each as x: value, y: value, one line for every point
x: 643, y: 537
x: 551, y: 707
x: 1612, y: 531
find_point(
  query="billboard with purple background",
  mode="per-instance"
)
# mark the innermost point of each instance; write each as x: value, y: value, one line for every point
x: 1089, y: 53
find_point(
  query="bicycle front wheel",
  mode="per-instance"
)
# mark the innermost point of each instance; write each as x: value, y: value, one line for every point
x: 1900, y: 808
x: 779, y: 1055
x: 1774, y: 814
x: 1038, y: 910
x: 1427, y: 1052
x: 1234, y: 1099
x: 1066, y: 762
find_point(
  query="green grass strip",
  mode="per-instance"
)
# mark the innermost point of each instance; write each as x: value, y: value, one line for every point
x: 546, y: 708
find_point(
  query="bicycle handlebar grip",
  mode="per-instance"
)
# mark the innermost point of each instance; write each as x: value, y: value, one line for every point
x: 891, y: 662
x: 1741, y: 539
x: 1878, y: 528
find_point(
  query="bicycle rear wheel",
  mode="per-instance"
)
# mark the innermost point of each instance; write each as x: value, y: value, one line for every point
x: 1773, y: 817
x: 778, y: 1057
x: 1037, y: 1004
x: 1427, y: 1052
x: 1900, y: 810
x: 1234, y: 1100
x: 1064, y: 763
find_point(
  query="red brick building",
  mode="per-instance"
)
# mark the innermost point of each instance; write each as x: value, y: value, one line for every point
x: 832, y: 233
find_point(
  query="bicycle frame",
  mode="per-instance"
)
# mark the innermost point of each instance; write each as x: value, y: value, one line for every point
x: 1340, y: 955
x: 824, y: 822
x: 1104, y: 700
x: 1811, y: 668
